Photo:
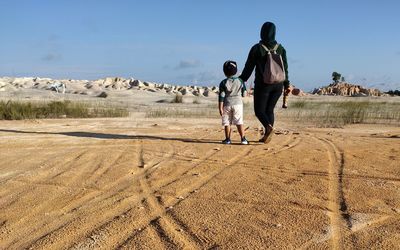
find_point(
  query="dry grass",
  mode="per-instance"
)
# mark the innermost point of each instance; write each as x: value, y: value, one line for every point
x: 316, y: 112
x: 339, y: 113
x: 178, y: 98
x: 182, y: 113
x: 17, y: 110
x: 196, y: 101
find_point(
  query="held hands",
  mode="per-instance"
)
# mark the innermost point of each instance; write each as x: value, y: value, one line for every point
x: 221, y: 111
x: 287, y: 91
x: 221, y: 108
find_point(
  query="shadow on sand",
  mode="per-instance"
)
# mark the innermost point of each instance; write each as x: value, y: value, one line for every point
x: 112, y: 136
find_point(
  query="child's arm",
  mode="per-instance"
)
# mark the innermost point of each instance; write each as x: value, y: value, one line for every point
x: 221, y: 108
x: 221, y: 97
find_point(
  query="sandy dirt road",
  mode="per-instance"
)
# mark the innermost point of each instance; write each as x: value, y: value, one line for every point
x: 168, y: 184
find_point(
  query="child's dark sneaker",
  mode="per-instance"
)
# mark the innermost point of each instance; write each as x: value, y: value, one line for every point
x: 244, y: 141
x: 226, y: 141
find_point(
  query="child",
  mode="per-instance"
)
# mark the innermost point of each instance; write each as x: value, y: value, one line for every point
x: 231, y: 91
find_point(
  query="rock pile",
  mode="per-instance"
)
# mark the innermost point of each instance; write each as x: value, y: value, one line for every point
x: 346, y: 89
x: 96, y: 87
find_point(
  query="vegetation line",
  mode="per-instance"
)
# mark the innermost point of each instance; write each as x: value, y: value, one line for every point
x: 17, y: 110
x: 314, y: 112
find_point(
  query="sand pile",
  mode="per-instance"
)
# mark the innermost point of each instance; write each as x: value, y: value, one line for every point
x: 97, y: 87
x: 5, y: 86
x: 346, y: 89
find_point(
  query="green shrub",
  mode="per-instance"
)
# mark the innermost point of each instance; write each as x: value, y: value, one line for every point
x: 103, y: 94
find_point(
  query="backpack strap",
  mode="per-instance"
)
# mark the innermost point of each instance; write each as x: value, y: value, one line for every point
x: 273, y: 50
x: 265, y: 47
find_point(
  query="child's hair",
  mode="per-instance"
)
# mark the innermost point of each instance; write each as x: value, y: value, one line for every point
x: 230, y: 68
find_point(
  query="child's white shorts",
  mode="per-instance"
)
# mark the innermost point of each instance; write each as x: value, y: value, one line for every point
x: 232, y: 115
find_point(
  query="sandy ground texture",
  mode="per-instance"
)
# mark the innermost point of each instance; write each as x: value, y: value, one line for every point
x: 137, y: 183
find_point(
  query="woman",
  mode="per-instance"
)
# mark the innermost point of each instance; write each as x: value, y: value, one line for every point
x: 265, y: 95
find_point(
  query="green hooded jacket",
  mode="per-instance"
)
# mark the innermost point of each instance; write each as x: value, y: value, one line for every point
x: 258, y: 59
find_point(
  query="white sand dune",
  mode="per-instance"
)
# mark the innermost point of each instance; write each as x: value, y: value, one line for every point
x: 94, y: 88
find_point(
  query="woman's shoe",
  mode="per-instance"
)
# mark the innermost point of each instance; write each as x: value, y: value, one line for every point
x: 269, y: 131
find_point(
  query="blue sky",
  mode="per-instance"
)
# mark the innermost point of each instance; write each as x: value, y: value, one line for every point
x: 186, y: 42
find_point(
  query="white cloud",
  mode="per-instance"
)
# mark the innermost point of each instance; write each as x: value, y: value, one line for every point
x: 293, y: 61
x: 184, y: 64
x: 50, y: 57
x: 205, y: 78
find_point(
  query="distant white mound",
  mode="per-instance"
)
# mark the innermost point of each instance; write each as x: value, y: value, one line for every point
x: 5, y: 86
x: 97, y: 87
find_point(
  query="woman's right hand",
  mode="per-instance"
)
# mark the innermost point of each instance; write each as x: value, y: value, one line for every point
x: 287, y: 91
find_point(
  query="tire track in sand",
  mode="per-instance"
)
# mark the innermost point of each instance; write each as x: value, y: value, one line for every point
x: 288, y: 144
x: 167, y: 224
x: 80, y: 197
x: 116, y: 211
x: 342, y: 227
x: 33, y: 211
x: 123, y: 224
x: 128, y: 223
x: 338, y: 214
x: 102, y: 199
x: 52, y: 161
x: 200, y: 161
x: 291, y: 142
x: 101, y: 231
x: 80, y: 213
x: 37, y: 179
